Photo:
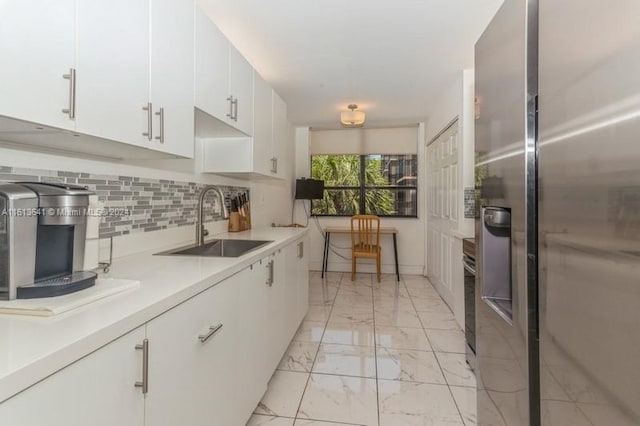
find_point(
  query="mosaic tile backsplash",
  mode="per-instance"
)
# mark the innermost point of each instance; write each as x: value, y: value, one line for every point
x: 142, y: 204
x: 469, y: 203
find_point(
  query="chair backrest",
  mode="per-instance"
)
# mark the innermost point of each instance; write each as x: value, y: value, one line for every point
x: 365, y: 232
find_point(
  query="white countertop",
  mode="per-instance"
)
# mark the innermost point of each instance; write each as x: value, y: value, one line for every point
x: 33, y: 348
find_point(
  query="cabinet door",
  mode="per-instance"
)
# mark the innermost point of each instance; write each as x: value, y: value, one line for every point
x: 212, y: 68
x: 262, y: 125
x: 276, y: 315
x: 251, y: 310
x: 37, y: 45
x: 113, y: 69
x: 302, y: 274
x: 97, y: 390
x: 280, y: 135
x: 241, y: 88
x: 291, y: 292
x: 191, y: 381
x: 172, y: 79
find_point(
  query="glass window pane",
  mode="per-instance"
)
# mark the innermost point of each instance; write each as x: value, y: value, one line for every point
x: 337, y: 202
x: 391, y: 202
x: 381, y: 170
x: 336, y: 170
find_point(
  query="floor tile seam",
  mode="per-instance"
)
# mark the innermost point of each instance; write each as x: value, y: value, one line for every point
x: 404, y: 349
x: 571, y: 401
x: 329, y: 421
x: 375, y: 351
x: 347, y: 344
x: 462, y: 386
x: 454, y: 398
x: 414, y: 382
x: 403, y: 326
x: 437, y: 360
x: 353, y: 376
x: 424, y: 331
x: 441, y: 329
x: 306, y: 385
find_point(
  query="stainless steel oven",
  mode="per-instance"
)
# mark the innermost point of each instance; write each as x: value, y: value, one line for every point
x: 469, y: 264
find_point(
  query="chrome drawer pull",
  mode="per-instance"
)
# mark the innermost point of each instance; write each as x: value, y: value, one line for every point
x: 212, y: 330
x: 144, y: 384
x: 71, y: 111
x: 161, y: 115
x: 230, y: 113
x: 149, y: 132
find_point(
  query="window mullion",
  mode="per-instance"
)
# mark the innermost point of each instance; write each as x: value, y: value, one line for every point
x: 362, y: 185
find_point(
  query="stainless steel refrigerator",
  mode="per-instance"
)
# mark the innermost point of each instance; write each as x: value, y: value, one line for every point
x: 558, y: 223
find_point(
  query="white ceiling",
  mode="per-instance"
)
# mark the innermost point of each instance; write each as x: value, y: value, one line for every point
x: 392, y: 58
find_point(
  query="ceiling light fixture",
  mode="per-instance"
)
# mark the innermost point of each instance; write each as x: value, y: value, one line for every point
x: 352, y: 118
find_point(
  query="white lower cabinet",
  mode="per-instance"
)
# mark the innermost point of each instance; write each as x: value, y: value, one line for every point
x: 97, y: 390
x: 276, y: 314
x: 251, y: 379
x: 208, y: 360
x: 192, y: 364
x: 302, y: 276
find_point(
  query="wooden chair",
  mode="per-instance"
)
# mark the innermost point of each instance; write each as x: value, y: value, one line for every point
x: 365, y: 240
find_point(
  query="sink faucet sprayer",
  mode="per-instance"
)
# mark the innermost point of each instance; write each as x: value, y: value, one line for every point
x: 200, y: 231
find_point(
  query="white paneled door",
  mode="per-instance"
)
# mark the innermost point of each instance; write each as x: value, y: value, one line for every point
x: 443, y: 209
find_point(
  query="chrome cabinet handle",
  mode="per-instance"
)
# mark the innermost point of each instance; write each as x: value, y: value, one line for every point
x: 270, y: 275
x: 300, y: 249
x: 161, y: 114
x: 71, y: 111
x: 144, y: 384
x: 212, y: 331
x: 149, y: 132
x: 230, y: 113
x: 235, y: 109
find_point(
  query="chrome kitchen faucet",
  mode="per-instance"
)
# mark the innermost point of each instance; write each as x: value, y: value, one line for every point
x: 200, y: 231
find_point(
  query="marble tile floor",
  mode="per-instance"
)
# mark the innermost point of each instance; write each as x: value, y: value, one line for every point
x: 372, y: 354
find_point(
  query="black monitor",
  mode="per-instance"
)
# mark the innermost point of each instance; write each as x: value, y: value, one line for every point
x: 309, y: 189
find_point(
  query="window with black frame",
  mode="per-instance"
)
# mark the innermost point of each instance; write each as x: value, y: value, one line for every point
x: 381, y: 184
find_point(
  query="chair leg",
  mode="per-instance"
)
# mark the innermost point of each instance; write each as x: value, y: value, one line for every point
x: 353, y: 268
x: 378, y: 266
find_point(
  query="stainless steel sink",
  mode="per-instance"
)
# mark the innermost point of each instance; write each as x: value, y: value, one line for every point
x: 217, y: 248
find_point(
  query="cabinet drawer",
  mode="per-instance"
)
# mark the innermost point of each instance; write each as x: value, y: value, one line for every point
x: 95, y: 390
x: 192, y: 364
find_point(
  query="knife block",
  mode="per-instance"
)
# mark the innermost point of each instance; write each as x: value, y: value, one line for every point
x: 238, y: 222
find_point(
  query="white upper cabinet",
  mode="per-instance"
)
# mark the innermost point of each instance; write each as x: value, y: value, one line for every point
x: 241, y: 91
x: 95, y: 68
x: 260, y: 155
x: 37, y: 49
x: 112, y: 81
x: 280, y: 135
x: 172, y: 79
x: 212, y: 69
x: 224, y: 79
x: 262, y: 126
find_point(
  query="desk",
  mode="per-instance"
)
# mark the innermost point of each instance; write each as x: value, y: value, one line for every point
x: 347, y: 230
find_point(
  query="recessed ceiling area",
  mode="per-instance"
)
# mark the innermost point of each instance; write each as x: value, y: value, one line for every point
x: 392, y: 58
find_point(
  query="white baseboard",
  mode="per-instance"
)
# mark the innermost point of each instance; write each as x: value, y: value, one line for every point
x: 368, y: 268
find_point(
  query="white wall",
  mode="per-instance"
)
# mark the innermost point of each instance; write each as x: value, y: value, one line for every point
x: 410, y: 231
x: 271, y: 199
x: 457, y: 101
